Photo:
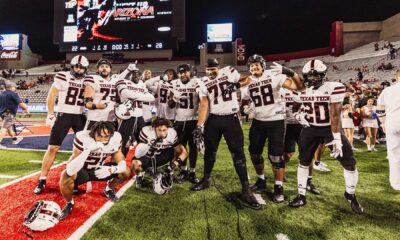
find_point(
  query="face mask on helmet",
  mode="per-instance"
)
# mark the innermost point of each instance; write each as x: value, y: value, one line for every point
x: 135, y: 76
x: 256, y: 65
x: 43, y: 215
x: 79, y: 66
x: 314, y: 72
x: 162, y: 183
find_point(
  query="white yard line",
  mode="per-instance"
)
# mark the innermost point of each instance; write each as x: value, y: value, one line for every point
x: 37, y: 150
x: 89, y: 223
x: 7, y: 176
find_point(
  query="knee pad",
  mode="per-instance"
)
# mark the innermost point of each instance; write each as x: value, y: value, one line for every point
x: 277, y: 162
x: 238, y: 159
x: 257, y: 159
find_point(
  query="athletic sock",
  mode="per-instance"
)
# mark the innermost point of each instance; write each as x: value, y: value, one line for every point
x: 350, y: 179
x: 302, y: 176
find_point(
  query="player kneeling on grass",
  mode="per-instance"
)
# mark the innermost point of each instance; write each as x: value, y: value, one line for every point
x: 87, y: 163
x: 158, y: 146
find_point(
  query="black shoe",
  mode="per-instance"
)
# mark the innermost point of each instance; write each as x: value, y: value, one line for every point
x: 66, y: 211
x: 312, y: 188
x: 40, y: 186
x: 110, y: 194
x: 299, y: 201
x: 192, y: 178
x: 139, y: 182
x: 182, y: 175
x: 249, y: 200
x: 355, y: 205
x: 203, y: 184
x: 278, y: 194
x: 261, y: 184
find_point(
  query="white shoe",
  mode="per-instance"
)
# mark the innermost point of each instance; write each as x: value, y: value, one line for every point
x: 19, y: 139
x: 374, y: 150
x: 321, y: 168
x: 3, y: 147
x: 354, y: 149
x: 323, y: 164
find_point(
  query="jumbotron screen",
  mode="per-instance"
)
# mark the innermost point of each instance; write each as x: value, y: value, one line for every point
x: 116, y: 25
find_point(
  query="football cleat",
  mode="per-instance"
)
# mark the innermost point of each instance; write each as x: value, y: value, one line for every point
x: 40, y: 186
x: 299, y: 201
x: 278, y: 194
x: 182, y: 175
x: 110, y: 194
x: 203, y: 184
x: 249, y: 200
x: 192, y: 178
x: 355, y: 205
x: 66, y: 210
x: 312, y: 188
x: 139, y: 182
x: 261, y: 184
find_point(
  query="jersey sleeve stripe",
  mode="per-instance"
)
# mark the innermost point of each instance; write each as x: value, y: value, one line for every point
x: 61, y: 78
x: 80, y: 148
x: 61, y: 74
x: 338, y: 92
x: 88, y: 81
x: 339, y: 88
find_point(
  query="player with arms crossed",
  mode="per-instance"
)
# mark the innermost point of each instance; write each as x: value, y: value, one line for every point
x: 322, y: 103
x: 87, y: 163
x: 68, y: 87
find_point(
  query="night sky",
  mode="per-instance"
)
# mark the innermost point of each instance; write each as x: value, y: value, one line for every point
x: 267, y: 26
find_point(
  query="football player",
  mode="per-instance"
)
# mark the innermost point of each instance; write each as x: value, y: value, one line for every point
x: 389, y: 113
x: 87, y: 163
x: 131, y: 127
x: 263, y: 90
x: 292, y: 134
x: 158, y: 146
x: 161, y: 87
x: 322, y: 103
x: 185, y: 98
x: 68, y: 88
x: 223, y: 120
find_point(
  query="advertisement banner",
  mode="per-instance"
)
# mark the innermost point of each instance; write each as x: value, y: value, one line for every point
x: 10, y: 55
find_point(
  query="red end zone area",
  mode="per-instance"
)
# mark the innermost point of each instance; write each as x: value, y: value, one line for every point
x: 18, y: 198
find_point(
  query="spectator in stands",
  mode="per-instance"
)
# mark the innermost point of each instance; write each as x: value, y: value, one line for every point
x: 360, y: 75
x: 392, y: 53
x: 385, y: 84
x: 9, y: 102
x: 376, y: 45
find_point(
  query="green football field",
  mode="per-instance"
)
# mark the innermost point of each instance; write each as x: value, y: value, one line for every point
x: 182, y: 214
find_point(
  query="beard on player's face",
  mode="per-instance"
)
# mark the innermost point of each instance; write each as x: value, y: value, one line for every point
x: 212, y: 73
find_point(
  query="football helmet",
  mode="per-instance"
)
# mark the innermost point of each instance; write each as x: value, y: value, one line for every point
x: 256, y: 59
x: 80, y: 61
x: 314, y: 72
x: 162, y: 183
x: 43, y: 215
x: 124, y: 110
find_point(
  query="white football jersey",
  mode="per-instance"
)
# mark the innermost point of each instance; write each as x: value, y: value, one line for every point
x: 70, y: 95
x: 188, y: 105
x: 138, y: 88
x: 163, y: 91
x: 264, y: 92
x: 317, y: 103
x: 148, y: 135
x: 104, y: 90
x: 221, y: 104
x: 287, y: 96
x: 97, y: 158
x: 390, y: 98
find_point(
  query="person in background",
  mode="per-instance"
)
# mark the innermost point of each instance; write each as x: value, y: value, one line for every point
x: 9, y: 102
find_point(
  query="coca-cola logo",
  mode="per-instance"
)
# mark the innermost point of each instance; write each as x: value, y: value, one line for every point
x: 9, y: 55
